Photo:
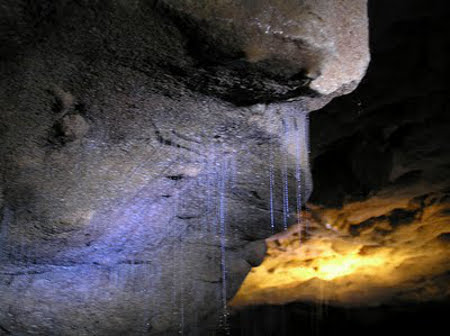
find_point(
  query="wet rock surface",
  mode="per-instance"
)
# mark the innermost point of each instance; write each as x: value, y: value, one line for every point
x: 134, y: 166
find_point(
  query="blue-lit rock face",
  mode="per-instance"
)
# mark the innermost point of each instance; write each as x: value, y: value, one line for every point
x: 138, y: 180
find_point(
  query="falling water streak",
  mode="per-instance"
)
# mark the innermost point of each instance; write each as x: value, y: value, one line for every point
x: 284, y: 173
x: 208, y: 196
x: 271, y: 186
x: 220, y: 175
x: 223, y: 177
x: 306, y: 132
x: 174, y: 265
x: 215, y: 186
x: 147, y: 299
x: 174, y: 288
x: 207, y: 193
x: 298, y: 169
x: 200, y: 182
x: 307, y: 178
x: 181, y: 290
x: 234, y: 174
x: 181, y: 205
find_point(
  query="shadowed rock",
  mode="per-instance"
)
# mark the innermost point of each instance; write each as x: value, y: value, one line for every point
x: 117, y: 121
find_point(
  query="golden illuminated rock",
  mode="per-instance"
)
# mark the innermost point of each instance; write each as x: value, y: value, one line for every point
x: 371, y: 252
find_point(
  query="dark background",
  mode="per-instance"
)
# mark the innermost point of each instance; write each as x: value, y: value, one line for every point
x: 402, y: 106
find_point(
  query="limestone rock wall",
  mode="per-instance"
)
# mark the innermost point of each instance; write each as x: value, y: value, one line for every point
x: 134, y: 153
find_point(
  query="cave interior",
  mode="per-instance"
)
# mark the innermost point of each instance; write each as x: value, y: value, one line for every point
x: 216, y: 167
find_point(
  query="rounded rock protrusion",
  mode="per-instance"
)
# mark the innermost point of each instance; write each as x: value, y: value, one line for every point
x: 71, y: 127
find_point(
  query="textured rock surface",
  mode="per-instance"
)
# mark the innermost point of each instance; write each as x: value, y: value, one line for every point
x: 122, y: 125
x: 322, y: 41
x: 382, y: 251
